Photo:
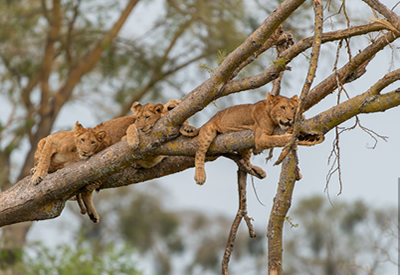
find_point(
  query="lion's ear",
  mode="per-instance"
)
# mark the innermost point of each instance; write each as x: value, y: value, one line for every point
x: 159, y: 108
x: 78, y: 128
x: 295, y: 97
x: 135, y: 105
x: 101, y: 135
x: 271, y: 98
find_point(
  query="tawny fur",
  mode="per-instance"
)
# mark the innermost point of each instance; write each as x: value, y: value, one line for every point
x: 261, y: 117
x: 127, y: 128
x: 64, y: 148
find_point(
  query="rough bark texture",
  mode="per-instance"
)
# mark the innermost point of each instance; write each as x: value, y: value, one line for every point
x: 282, y: 202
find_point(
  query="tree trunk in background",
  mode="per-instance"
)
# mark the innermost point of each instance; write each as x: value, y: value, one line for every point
x: 14, y: 237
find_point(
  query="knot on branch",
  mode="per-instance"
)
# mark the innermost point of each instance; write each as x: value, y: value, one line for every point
x: 368, y: 100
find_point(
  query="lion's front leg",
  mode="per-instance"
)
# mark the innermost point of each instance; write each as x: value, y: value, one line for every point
x: 132, y: 136
x: 264, y: 141
x: 206, y: 136
x: 40, y: 170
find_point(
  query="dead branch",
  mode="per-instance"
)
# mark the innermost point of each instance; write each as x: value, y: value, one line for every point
x: 242, y: 213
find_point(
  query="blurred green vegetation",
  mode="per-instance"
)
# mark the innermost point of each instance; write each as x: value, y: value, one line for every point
x: 77, y: 259
x: 344, y: 238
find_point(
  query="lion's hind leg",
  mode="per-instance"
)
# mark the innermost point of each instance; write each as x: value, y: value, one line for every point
x: 246, y: 155
x: 87, y: 200
x: 43, y: 160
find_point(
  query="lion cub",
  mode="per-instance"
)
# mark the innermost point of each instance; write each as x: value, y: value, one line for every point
x: 127, y: 128
x: 261, y: 118
x: 64, y: 148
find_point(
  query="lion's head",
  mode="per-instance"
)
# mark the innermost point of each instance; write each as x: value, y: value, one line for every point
x: 89, y: 142
x: 147, y: 115
x: 171, y: 105
x: 282, y: 110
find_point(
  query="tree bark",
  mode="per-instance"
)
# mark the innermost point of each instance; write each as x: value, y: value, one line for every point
x: 282, y: 202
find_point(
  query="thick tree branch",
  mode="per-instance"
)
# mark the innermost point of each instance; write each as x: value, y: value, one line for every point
x: 25, y: 202
x: 47, y: 199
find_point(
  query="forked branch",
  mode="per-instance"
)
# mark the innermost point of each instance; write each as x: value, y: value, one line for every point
x: 242, y: 213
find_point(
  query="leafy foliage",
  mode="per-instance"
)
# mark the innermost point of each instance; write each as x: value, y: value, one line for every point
x: 79, y: 260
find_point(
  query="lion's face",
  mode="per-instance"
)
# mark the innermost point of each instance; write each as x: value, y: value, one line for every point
x: 89, y: 142
x: 147, y: 115
x: 282, y: 110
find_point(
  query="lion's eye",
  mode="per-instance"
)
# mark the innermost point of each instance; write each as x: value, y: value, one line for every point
x: 93, y: 142
x: 147, y: 117
x: 283, y: 108
x: 82, y: 139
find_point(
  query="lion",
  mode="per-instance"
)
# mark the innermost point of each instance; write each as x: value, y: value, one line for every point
x: 64, y: 148
x: 146, y: 116
x: 127, y: 128
x: 261, y: 117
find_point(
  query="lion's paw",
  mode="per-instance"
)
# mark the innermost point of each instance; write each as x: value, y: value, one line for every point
x: 200, y: 176
x: 132, y: 136
x: 310, y: 139
x: 189, y: 128
x: 92, y: 186
x: 94, y: 217
x: 36, y: 179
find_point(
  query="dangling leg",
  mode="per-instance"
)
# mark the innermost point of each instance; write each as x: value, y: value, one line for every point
x: 246, y: 155
x: 87, y: 200
x: 206, y: 136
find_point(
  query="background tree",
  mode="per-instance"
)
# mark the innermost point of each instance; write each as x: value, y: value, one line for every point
x: 345, y: 238
x: 222, y: 83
